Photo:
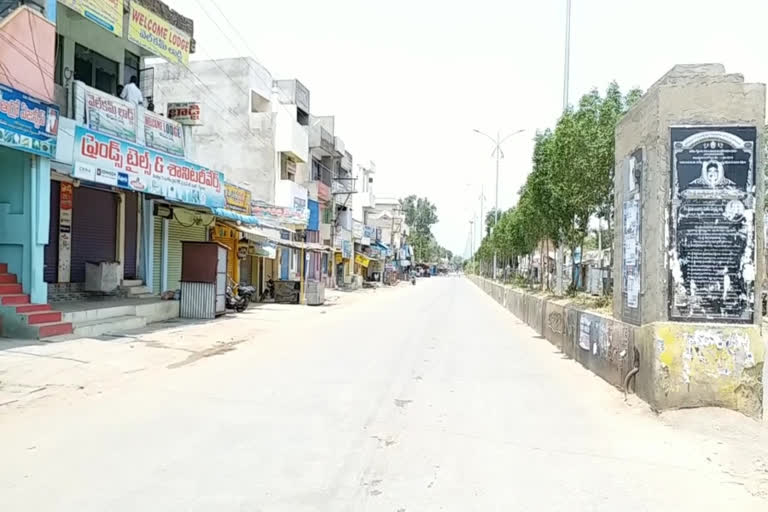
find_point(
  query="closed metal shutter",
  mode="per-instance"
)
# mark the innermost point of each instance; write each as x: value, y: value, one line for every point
x: 177, y: 234
x: 94, y: 229
x: 131, y: 234
x: 51, y: 269
x: 157, y: 254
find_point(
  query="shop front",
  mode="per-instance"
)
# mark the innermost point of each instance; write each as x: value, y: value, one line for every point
x: 28, y: 139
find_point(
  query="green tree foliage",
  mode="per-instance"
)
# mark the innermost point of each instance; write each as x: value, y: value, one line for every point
x: 571, y: 180
x: 421, y: 215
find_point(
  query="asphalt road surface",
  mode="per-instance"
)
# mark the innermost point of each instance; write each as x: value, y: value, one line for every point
x: 424, y: 398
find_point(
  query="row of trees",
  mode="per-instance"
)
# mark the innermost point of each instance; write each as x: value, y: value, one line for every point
x: 571, y: 181
x: 421, y: 215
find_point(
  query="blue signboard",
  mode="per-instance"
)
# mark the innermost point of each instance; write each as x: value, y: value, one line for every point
x: 104, y: 159
x: 314, y: 216
x: 27, y: 124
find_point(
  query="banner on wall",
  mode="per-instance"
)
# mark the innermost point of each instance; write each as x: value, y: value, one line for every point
x: 238, y: 199
x: 278, y: 216
x: 187, y: 113
x: 362, y: 260
x: 105, y: 113
x: 103, y: 159
x: 155, y: 34
x: 28, y: 124
x: 108, y: 14
x: 163, y: 134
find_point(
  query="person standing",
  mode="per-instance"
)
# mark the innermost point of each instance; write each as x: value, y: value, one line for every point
x: 132, y: 93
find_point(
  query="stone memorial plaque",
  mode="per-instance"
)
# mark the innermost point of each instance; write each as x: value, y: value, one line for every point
x: 712, y: 247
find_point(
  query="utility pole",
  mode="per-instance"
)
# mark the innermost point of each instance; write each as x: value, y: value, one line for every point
x: 472, y: 241
x: 566, y: 86
x: 499, y: 154
x: 482, y: 214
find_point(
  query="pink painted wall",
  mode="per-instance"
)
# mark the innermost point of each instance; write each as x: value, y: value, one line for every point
x: 27, y: 53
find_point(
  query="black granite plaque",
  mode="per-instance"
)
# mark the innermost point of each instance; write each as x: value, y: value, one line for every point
x: 712, y: 248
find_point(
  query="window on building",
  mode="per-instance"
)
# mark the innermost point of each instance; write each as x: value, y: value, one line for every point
x: 287, y: 168
x: 95, y: 70
x: 131, y: 67
x: 326, y: 214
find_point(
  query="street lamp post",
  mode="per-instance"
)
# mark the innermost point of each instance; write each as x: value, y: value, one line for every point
x: 499, y: 154
x: 566, y: 85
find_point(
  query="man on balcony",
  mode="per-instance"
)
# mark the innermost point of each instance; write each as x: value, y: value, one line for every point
x: 132, y: 93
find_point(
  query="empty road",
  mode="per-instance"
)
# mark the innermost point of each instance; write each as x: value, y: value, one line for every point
x: 414, y: 399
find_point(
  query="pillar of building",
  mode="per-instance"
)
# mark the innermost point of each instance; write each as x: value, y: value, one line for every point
x: 689, y: 244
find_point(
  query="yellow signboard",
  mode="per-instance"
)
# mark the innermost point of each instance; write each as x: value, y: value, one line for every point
x: 238, y: 199
x: 362, y: 260
x: 153, y: 33
x: 107, y: 14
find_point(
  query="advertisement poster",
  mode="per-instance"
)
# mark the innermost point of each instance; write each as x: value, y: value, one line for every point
x: 28, y: 124
x: 103, y: 159
x: 585, y: 329
x: 163, y: 134
x: 278, y: 216
x: 156, y: 35
x: 108, y: 14
x: 187, y: 113
x: 712, y: 262
x: 105, y: 113
x: 66, y: 191
x: 238, y: 199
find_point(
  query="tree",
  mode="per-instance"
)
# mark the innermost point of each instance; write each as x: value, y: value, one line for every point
x: 490, y: 220
x: 421, y: 215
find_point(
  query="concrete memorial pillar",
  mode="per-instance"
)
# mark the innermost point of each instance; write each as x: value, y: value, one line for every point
x: 689, y: 238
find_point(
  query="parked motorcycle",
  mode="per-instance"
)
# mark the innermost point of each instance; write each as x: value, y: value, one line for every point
x: 269, y: 292
x: 239, y: 297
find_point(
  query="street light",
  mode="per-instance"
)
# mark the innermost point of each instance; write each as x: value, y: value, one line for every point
x: 499, y: 154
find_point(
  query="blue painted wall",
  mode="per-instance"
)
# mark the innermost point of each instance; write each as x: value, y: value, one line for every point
x: 50, y: 11
x: 24, y: 217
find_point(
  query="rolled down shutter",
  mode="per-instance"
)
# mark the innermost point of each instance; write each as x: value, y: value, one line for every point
x: 157, y: 253
x: 131, y: 234
x: 177, y: 234
x: 94, y: 229
x: 51, y: 269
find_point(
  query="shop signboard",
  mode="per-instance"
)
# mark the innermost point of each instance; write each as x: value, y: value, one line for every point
x: 155, y: 34
x: 278, y: 216
x: 108, y: 14
x: 103, y: 159
x: 369, y: 232
x: 357, y: 230
x: 163, y: 134
x: 346, y: 249
x: 186, y: 113
x: 66, y: 195
x: 362, y: 260
x: 238, y: 199
x: 28, y: 124
x: 105, y: 113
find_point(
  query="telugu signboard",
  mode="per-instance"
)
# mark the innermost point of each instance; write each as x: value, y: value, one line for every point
x: 187, y: 113
x: 104, y: 159
x: 105, y: 113
x: 238, y: 199
x: 108, y: 14
x: 163, y: 134
x: 28, y: 124
x: 156, y: 35
x: 712, y: 256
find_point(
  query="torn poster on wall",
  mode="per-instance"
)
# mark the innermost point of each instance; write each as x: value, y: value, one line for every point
x: 712, y: 250
x: 632, y: 243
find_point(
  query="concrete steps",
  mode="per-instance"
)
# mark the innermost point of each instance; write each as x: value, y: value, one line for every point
x: 114, y: 324
x: 118, y: 317
x: 20, y: 319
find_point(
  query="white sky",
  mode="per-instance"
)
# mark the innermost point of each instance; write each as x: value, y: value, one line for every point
x: 408, y: 80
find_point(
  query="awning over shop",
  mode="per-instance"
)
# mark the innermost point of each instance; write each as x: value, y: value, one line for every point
x: 237, y: 217
x: 383, y: 247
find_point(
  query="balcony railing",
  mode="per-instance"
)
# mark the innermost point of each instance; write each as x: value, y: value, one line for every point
x: 321, y: 173
x: 321, y: 138
x: 342, y: 186
x: 346, y: 161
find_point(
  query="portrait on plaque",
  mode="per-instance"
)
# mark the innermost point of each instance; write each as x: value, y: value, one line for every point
x: 712, y: 248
